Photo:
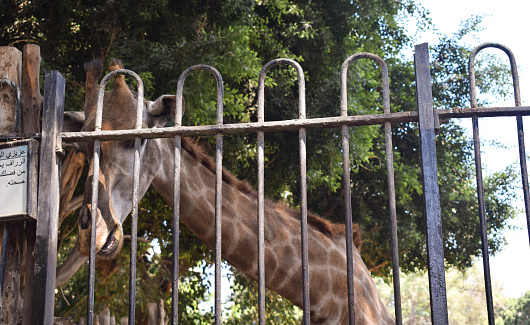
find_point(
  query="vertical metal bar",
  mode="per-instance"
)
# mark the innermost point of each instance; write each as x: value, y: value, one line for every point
x: 389, y: 164
x: 176, y: 204
x: 519, y: 118
x: 94, y: 207
x: 478, y: 164
x: 218, y: 189
x: 218, y: 194
x: 135, y: 199
x: 261, y: 199
x: 347, y: 192
x: 389, y: 150
x: 524, y: 169
x: 93, y: 217
x: 429, y: 170
x: 482, y: 218
x: 303, y: 190
x: 94, y: 202
x: 48, y: 200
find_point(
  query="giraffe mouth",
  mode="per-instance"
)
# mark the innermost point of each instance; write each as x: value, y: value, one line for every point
x: 114, y: 242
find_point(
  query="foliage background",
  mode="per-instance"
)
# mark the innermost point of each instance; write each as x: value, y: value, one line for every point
x: 159, y: 39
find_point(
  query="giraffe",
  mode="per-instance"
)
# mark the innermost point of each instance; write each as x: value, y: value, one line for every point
x: 327, y: 244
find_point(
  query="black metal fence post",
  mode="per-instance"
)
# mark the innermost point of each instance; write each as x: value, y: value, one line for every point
x: 431, y: 194
x: 48, y: 203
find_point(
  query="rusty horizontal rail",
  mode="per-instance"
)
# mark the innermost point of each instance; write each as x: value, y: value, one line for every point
x: 292, y: 125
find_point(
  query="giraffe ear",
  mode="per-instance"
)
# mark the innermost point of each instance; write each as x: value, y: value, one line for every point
x: 161, y: 109
x: 73, y: 121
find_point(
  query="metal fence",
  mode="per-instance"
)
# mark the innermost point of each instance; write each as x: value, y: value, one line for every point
x: 427, y: 117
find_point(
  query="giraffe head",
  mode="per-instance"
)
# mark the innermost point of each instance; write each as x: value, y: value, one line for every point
x: 116, y: 157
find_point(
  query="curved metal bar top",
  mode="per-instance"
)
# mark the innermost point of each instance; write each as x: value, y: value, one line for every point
x: 390, y: 181
x: 513, y: 66
x: 218, y: 191
x: 344, y: 75
x: 301, y: 86
x: 478, y: 163
x: 303, y: 189
x: 95, y: 184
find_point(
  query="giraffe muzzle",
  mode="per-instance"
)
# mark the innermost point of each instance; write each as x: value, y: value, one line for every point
x: 113, y: 244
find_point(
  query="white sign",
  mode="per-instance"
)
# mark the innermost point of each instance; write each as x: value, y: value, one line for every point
x: 13, y: 180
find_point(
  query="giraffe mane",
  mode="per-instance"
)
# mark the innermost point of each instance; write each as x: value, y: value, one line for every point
x: 322, y: 225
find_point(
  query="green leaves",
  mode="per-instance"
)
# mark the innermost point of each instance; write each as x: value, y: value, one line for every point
x: 159, y: 39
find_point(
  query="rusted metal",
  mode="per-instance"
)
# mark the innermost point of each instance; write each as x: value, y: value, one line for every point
x: 426, y: 116
x: 303, y: 189
x: 176, y: 202
x: 478, y: 163
x: 261, y: 198
x: 287, y: 125
x: 390, y: 180
x: 218, y: 189
x: 95, y: 184
x: 435, y: 246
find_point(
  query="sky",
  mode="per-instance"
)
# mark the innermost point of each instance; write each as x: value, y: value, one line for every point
x: 505, y: 23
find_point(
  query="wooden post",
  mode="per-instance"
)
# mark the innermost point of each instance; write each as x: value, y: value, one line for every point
x: 31, y: 107
x: 431, y: 191
x: 104, y: 316
x: 11, y: 68
x: 157, y: 313
x: 31, y: 97
x: 48, y: 205
x: 152, y: 313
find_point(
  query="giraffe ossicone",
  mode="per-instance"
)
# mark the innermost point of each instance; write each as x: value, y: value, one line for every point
x: 283, y: 267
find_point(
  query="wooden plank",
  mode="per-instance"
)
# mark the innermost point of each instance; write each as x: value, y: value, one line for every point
x: 11, y: 296
x: 10, y: 68
x: 28, y: 280
x: 429, y: 171
x: 104, y: 316
x: 48, y: 205
x: 31, y: 97
x: 31, y: 106
x: 163, y: 319
x: 152, y: 314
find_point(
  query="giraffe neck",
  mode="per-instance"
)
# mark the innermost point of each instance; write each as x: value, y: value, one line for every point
x: 283, y: 266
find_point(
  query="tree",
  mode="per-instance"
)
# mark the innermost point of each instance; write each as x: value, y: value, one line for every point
x: 516, y: 311
x: 159, y: 39
x: 466, y: 298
